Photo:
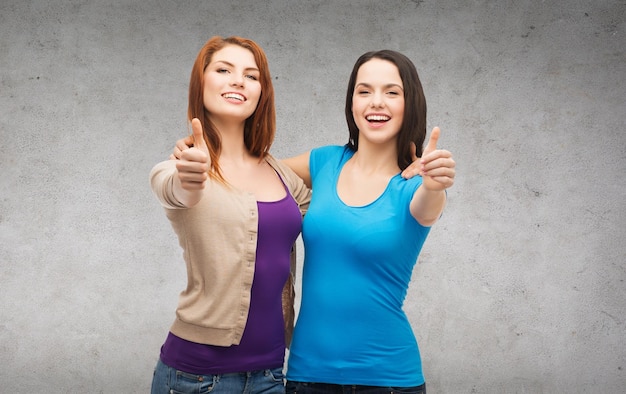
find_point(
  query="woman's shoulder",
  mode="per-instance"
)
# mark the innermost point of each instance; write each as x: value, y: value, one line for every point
x: 331, y: 149
x: 300, y: 192
x: 329, y: 152
x: 283, y: 170
x: 405, y: 188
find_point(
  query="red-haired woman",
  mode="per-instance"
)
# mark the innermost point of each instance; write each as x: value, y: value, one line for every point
x: 237, y: 213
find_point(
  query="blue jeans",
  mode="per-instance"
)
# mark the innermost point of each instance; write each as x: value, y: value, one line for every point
x: 326, y: 388
x: 168, y: 380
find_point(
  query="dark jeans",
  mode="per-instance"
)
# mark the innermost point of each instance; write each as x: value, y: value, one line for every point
x: 325, y: 388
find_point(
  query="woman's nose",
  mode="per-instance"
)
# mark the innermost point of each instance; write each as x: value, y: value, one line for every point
x: 236, y: 80
x: 377, y: 101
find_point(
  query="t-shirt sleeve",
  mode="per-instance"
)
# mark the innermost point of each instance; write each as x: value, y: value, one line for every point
x: 325, y: 155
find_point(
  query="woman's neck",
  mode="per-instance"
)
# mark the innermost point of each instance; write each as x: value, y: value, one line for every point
x: 233, y: 147
x: 376, y: 159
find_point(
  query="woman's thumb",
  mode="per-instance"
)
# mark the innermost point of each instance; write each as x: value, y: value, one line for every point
x: 198, y: 135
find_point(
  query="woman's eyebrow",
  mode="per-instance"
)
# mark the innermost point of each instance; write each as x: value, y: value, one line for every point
x: 389, y: 85
x: 232, y: 65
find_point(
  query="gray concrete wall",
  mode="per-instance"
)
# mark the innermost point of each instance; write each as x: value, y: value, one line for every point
x: 520, y: 287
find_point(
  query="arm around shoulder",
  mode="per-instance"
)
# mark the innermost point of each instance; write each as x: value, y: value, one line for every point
x: 300, y: 165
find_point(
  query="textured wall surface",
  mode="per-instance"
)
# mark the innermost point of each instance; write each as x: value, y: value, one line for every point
x: 520, y: 287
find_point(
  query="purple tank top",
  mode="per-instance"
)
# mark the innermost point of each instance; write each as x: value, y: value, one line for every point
x: 263, y: 343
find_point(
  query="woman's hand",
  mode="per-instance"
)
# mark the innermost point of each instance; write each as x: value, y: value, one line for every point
x: 193, y: 164
x: 181, y: 145
x: 436, y: 166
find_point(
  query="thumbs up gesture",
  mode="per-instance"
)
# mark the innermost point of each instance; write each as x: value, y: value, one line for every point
x: 436, y: 165
x: 194, y: 162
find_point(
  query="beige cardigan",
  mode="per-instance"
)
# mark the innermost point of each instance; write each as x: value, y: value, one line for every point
x: 218, y: 237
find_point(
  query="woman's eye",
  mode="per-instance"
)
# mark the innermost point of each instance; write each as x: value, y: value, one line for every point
x: 222, y: 70
x: 252, y: 77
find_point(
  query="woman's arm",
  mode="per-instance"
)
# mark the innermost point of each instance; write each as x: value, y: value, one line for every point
x: 427, y: 206
x: 438, y: 172
x: 184, y: 185
x: 300, y: 165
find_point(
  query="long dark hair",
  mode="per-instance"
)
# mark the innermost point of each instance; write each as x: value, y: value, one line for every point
x: 413, y: 127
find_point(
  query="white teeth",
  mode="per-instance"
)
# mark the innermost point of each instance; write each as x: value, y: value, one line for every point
x: 378, y: 117
x: 234, y: 96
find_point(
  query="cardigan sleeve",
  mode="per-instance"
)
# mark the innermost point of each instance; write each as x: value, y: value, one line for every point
x: 162, y: 184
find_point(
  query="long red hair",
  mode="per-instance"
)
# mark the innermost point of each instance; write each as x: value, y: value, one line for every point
x: 259, y: 128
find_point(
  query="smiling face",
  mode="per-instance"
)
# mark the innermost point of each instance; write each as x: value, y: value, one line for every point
x: 378, y: 101
x: 231, y: 83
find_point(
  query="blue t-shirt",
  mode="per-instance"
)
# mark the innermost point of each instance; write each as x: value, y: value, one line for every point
x: 351, y: 328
